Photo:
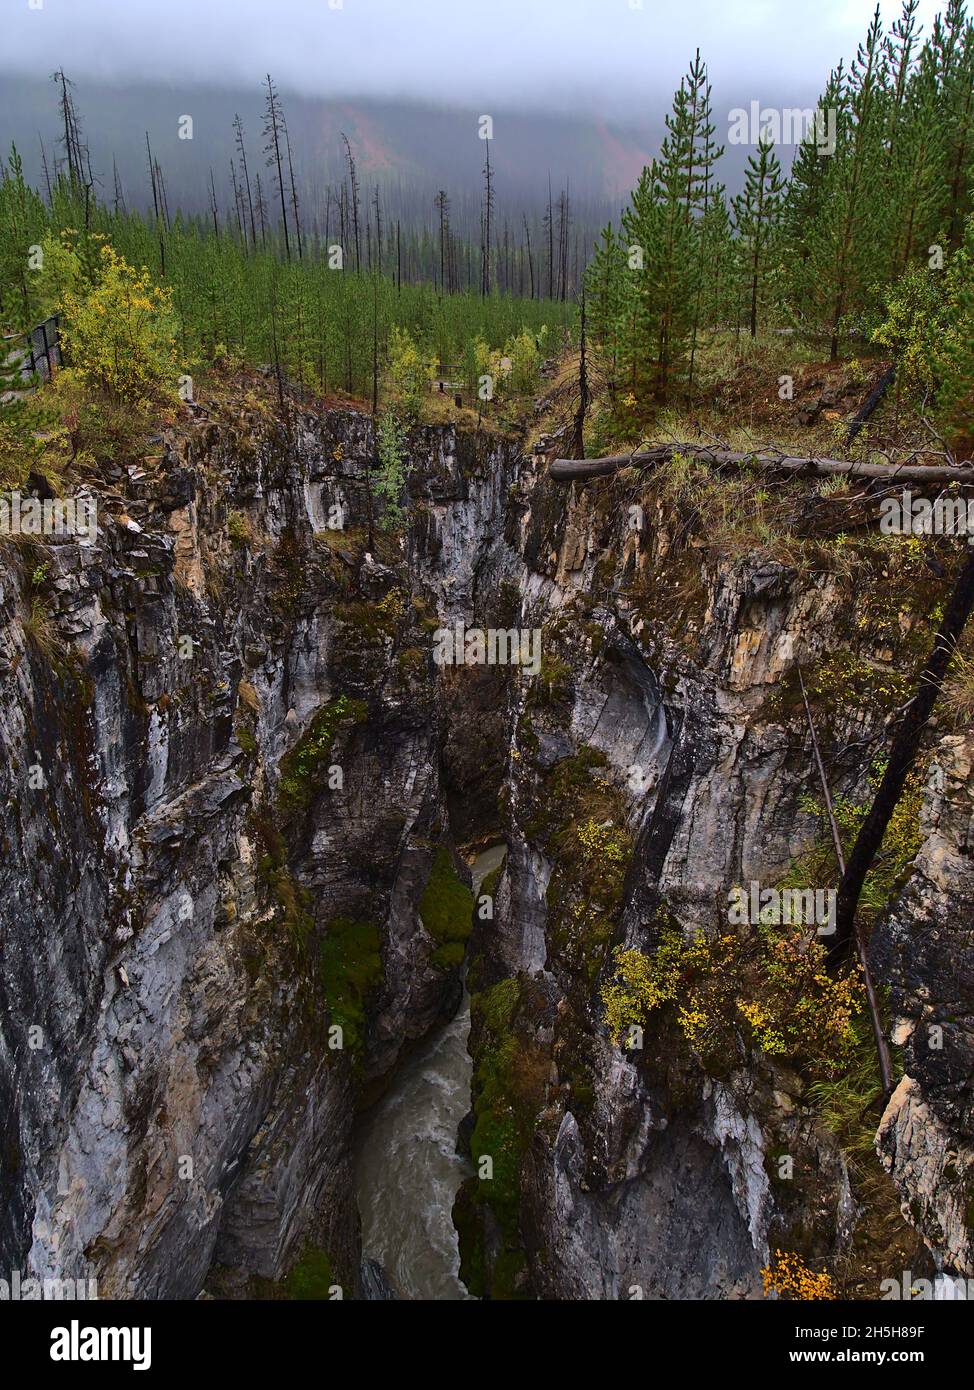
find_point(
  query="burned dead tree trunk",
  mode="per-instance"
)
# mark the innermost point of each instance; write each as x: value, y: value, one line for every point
x: 577, y: 437
x: 902, y: 755
x: 870, y: 403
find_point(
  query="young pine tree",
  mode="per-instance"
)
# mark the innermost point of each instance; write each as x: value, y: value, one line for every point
x: 805, y: 204
x: 719, y: 261
x: 851, y: 222
x: 756, y: 214
x: 915, y: 178
x: 663, y: 264
x: 703, y: 154
x: 604, y: 282
x: 952, y: 42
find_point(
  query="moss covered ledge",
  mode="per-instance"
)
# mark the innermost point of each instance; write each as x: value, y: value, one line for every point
x: 446, y: 909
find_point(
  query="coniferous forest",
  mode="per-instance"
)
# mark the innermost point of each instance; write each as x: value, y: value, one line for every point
x: 838, y: 249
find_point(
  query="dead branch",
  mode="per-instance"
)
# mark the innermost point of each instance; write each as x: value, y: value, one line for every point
x: 875, y: 1018
x: 903, y: 752
x: 870, y: 403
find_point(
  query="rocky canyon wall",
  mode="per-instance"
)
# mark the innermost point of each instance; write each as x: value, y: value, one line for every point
x: 234, y: 782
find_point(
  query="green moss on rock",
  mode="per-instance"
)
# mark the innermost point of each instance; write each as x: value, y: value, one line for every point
x: 312, y: 1278
x: 510, y: 1070
x: 303, y: 768
x: 446, y: 908
x: 246, y: 739
x: 350, y: 968
x: 412, y: 663
x: 292, y: 899
x: 449, y: 956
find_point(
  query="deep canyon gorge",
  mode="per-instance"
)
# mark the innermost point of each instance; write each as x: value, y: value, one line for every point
x: 254, y: 805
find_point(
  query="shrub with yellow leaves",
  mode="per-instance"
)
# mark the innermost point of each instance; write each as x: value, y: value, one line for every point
x: 770, y: 991
x: 409, y: 374
x: 513, y: 369
x: 791, y: 1279
x: 120, y: 333
x: 603, y: 840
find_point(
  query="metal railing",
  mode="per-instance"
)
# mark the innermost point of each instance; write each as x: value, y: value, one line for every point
x: 446, y: 378
x: 35, y: 353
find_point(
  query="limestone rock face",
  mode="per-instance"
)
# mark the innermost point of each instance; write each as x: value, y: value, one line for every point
x: 171, y: 1100
x: 228, y: 739
x: 934, y: 1171
x: 925, y: 950
x: 669, y: 703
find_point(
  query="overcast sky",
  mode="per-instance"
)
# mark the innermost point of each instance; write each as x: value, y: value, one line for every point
x: 596, y: 55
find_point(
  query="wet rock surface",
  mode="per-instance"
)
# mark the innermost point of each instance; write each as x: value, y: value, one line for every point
x: 179, y: 851
x: 172, y: 1100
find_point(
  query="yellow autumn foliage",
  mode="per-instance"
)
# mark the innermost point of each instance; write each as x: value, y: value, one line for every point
x: 120, y: 333
x: 409, y: 374
x: 789, y: 1277
x: 771, y: 991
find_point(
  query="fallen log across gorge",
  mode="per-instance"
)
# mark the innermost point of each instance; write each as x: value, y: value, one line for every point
x: 579, y: 470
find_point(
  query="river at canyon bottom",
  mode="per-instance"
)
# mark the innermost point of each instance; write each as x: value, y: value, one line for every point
x: 407, y: 1168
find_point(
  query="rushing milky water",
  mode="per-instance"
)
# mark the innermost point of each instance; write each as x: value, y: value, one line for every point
x: 408, y: 1170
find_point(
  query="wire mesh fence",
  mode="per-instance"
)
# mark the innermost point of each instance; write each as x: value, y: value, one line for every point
x: 35, y: 353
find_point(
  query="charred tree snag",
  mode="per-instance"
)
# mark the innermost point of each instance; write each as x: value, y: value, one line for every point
x: 903, y: 752
x: 577, y: 438
x: 870, y: 403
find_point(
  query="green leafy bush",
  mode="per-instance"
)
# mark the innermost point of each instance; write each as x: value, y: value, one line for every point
x: 913, y: 327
